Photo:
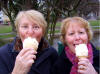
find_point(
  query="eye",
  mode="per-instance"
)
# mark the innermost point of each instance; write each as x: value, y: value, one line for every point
x: 71, y: 33
x: 81, y: 32
x: 25, y: 26
x: 36, y: 27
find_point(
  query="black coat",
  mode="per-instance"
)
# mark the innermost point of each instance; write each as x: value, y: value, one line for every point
x: 63, y: 65
x: 43, y: 63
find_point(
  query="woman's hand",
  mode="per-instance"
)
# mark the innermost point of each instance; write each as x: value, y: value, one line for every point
x: 24, y: 61
x: 85, y: 67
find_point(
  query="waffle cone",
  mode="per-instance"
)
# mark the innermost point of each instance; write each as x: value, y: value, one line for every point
x: 82, y: 57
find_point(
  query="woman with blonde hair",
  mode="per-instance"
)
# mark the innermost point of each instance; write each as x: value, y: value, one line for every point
x: 76, y: 32
x: 29, y: 53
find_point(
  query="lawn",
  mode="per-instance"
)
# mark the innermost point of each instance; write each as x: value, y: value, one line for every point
x: 92, y: 23
x: 5, y: 29
x: 95, y: 23
x: 6, y: 36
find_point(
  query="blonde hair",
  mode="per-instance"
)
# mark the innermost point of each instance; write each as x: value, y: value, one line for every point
x: 32, y: 15
x: 66, y: 22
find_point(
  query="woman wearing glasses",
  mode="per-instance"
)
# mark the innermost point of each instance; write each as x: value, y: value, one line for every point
x: 15, y: 59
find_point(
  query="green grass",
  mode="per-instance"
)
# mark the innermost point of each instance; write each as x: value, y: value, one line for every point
x: 95, y: 23
x: 56, y: 31
x: 58, y: 24
x: 5, y: 29
x: 92, y: 23
x: 6, y: 36
x: 98, y: 48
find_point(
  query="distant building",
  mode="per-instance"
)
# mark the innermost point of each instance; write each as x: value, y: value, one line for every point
x: 3, y: 18
x: 89, y: 9
x: 94, y: 14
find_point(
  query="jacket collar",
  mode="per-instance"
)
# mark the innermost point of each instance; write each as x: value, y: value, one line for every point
x: 44, y: 55
x: 63, y: 55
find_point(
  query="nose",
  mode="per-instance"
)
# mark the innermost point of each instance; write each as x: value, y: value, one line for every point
x: 78, y: 39
x: 30, y: 32
x: 77, y: 36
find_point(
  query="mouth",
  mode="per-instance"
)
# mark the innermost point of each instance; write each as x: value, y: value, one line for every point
x: 76, y: 44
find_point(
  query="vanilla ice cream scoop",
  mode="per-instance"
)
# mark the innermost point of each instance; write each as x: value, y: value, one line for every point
x: 81, y: 51
x: 30, y: 43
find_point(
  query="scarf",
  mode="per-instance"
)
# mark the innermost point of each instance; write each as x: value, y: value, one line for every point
x: 72, y: 57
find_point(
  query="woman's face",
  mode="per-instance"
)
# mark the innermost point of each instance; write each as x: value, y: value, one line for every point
x: 29, y: 28
x: 75, y: 34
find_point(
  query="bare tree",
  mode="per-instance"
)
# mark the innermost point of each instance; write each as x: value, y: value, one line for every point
x: 52, y: 10
x: 12, y: 7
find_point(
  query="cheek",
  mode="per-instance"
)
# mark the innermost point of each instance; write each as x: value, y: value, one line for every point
x: 21, y: 34
x: 38, y: 35
x: 85, y: 38
x: 68, y: 40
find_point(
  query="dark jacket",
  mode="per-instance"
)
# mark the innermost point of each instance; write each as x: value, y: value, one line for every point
x: 43, y: 63
x: 63, y: 65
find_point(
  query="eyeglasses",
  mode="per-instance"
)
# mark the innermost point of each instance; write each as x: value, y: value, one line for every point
x: 35, y: 27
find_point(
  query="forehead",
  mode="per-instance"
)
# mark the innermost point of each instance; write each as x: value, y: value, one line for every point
x: 75, y: 23
x: 26, y: 20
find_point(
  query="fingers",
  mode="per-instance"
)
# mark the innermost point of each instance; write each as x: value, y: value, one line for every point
x: 84, y: 62
x: 83, y: 66
x: 24, y: 60
x: 29, y: 57
x: 84, y: 59
x: 23, y: 51
x: 30, y: 54
x: 81, y: 72
x: 26, y: 55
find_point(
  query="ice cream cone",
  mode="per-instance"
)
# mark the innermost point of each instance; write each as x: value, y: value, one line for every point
x: 81, y: 51
x: 30, y: 43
